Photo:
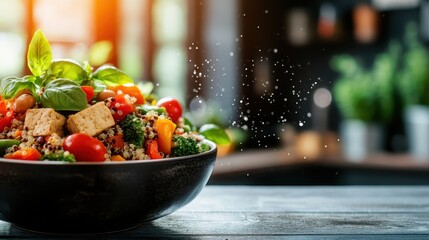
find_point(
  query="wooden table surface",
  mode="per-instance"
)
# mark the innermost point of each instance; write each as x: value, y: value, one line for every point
x: 277, y: 212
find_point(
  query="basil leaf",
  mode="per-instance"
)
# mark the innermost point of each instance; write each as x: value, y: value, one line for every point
x: 12, y: 86
x: 190, y: 125
x: 98, y: 86
x: 31, y: 78
x: 68, y: 69
x: 146, y: 88
x: 111, y: 76
x: 214, y: 133
x: 88, y: 68
x: 39, y: 55
x: 64, y: 95
x: 5, y: 81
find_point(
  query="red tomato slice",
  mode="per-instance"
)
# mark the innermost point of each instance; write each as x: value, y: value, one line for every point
x: 85, y: 148
x: 172, y: 106
x: 89, y: 91
x: 6, y: 116
x: 152, y: 149
x: 121, y: 106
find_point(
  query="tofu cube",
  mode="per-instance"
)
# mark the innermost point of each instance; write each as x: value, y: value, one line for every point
x: 91, y: 121
x: 44, y: 122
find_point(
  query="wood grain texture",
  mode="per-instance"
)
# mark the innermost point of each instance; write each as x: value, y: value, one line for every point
x: 268, y: 212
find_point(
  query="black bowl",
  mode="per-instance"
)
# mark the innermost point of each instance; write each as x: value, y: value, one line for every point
x: 85, y: 198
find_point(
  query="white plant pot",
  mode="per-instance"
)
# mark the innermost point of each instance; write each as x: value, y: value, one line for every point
x: 417, y: 130
x: 359, y: 139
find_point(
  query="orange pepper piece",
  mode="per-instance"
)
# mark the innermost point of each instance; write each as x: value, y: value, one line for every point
x: 131, y: 90
x: 25, y: 154
x: 165, y: 129
x: 118, y: 158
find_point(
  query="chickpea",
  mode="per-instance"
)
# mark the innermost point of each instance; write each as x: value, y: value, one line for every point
x: 105, y: 94
x: 23, y: 102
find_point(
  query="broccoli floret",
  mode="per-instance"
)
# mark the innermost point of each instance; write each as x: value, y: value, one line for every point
x: 132, y: 127
x: 63, y: 157
x: 184, y: 146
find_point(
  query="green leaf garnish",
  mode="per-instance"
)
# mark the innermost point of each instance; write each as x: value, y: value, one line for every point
x: 111, y: 76
x: 98, y: 85
x: 214, y: 133
x: 39, y: 55
x: 64, y: 95
x: 189, y: 126
x: 68, y: 69
x: 9, y: 87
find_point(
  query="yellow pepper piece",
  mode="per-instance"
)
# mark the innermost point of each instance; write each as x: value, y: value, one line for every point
x: 165, y: 129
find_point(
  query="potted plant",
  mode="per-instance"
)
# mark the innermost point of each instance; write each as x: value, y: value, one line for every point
x: 413, y: 86
x: 365, y: 99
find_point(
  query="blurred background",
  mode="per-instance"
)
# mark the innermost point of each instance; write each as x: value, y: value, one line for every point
x: 310, y: 92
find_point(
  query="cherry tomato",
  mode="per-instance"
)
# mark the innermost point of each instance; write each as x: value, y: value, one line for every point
x: 131, y: 90
x: 6, y: 115
x: 172, y: 106
x: 25, y: 154
x: 89, y: 92
x: 121, y: 106
x: 85, y: 148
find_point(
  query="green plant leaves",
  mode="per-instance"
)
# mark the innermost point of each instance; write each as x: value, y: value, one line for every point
x: 214, y: 133
x: 57, y: 83
x: 39, y: 55
x: 64, y: 95
x: 111, y: 76
x: 68, y: 69
x: 9, y: 87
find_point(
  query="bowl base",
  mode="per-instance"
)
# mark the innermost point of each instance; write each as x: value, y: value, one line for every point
x: 77, y: 232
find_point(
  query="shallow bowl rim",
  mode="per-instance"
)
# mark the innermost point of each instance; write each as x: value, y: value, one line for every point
x: 212, y: 150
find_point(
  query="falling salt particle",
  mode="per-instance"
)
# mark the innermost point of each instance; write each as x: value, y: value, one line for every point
x: 326, y: 146
x: 275, y: 50
x: 231, y: 54
x: 266, y: 11
x: 305, y: 157
x: 338, y: 140
x: 247, y: 174
x: 309, y: 114
x: 301, y: 124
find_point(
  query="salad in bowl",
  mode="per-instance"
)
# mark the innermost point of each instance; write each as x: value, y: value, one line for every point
x: 67, y: 111
x: 84, y: 151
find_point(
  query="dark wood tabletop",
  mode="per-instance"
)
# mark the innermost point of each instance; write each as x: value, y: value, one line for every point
x: 276, y: 212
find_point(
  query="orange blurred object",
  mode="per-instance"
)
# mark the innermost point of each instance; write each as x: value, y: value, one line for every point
x: 365, y: 20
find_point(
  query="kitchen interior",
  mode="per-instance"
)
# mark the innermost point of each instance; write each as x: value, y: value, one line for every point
x: 310, y: 92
